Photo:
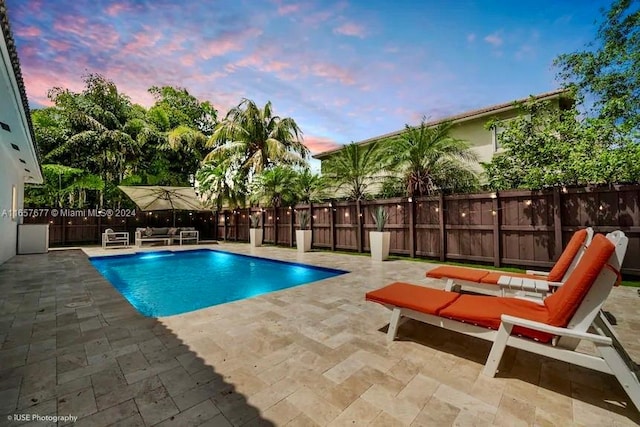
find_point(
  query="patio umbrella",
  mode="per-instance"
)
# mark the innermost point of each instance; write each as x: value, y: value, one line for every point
x: 160, y: 198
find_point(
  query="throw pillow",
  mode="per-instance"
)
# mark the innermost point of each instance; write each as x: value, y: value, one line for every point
x: 172, y: 231
x: 148, y: 232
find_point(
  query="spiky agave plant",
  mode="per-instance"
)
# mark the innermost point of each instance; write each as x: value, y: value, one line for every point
x: 255, y: 220
x: 303, y: 219
x: 380, y: 217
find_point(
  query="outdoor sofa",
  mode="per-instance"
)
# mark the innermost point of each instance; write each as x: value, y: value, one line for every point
x: 168, y: 235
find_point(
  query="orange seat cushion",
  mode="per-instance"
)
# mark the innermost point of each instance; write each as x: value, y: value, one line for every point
x: 564, y: 302
x: 573, y: 247
x: 485, y: 311
x: 492, y: 278
x: 419, y: 298
x: 460, y: 273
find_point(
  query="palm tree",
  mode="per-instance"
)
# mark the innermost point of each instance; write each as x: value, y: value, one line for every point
x: 258, y: 137
x: 98, y: 142
x: 309, y: 187
x: 429, y: 158
x: 220, y: 184
x: 274, y: 187
x: 356, y: 169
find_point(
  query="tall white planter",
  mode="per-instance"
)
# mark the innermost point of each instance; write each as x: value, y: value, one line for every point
x: 379, y: 243
x: 303, y: 240
x: 255, y: 237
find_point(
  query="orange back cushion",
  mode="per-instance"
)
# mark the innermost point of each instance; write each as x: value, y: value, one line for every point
x: 563, y: 304
x: 573, y: 247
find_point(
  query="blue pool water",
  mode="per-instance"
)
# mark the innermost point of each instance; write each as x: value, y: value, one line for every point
x: 165, y: 283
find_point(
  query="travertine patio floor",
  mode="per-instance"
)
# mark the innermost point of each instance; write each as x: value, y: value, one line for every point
x: 70, y: 344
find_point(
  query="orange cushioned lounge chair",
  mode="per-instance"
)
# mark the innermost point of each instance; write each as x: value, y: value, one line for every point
x: 539, y: 282
x: 553, y: 328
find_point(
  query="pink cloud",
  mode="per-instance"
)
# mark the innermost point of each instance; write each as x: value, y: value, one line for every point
x: 319, y: 144
x: 228, y: 42
x: 332, y: 72
x: 115, y: 8
x: 142, y: 42
x: 188, y: 59
x: 259, y: 61
x: 29, y: 32
x: 350, y: 29
x: 288, y: 8
x: 59, y: 45
x: 97, y: 36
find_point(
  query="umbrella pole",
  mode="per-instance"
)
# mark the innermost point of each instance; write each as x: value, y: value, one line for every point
x: 174, y: 217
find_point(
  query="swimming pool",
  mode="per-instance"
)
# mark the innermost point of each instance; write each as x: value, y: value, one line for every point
x: 165, y: 283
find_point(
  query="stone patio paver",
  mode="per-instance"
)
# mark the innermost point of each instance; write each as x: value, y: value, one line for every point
x: 309, y: 355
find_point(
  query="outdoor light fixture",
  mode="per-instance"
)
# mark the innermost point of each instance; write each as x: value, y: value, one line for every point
x: 463, y: 214
x: 410, y: 200
x: 346, y: 214
x: 437, y: 209
x: 527, y: 202
x: 564, y: 190
x: 494, y: 213
x: 494, y: 196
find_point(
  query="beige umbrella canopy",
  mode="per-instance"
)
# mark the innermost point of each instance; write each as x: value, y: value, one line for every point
x: 160, y: 198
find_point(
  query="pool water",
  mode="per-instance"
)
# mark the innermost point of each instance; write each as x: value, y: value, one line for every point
x: 166, y: 283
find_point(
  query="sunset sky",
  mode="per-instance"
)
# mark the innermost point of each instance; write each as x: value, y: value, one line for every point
x: 345, y: 71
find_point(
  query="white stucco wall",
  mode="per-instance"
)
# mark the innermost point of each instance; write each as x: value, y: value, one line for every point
x: 9, y: 177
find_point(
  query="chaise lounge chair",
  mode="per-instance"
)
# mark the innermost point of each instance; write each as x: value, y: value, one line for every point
x: 532, y: 281
x: 552, y: 328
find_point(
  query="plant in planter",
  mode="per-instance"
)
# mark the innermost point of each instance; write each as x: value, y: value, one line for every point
x: 303, y: 235
x: 255, y: 232
x: 379, y: 239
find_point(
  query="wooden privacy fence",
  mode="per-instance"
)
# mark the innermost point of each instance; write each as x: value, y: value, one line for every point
x: 520, y: 228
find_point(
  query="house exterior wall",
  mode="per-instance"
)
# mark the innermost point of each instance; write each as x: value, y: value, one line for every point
x: 19, y: 161
x: 9, y: 177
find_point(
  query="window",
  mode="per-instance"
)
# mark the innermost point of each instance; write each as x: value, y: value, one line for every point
x: 14, y: 202
x: 499, y: 128
x: 496, y: 130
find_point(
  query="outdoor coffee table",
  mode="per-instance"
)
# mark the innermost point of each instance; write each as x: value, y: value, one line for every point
x: 166, y: 240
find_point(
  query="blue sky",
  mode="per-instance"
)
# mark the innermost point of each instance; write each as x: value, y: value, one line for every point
x: 345, y: 71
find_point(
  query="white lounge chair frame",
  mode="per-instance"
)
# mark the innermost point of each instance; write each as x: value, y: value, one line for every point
x: 611, y: 358
x: 112, y: 239
x: 507, y: 283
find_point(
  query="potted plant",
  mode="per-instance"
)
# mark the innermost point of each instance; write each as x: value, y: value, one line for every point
x: 303, y: 235
x: 255, y: 232
x: 379, y: 239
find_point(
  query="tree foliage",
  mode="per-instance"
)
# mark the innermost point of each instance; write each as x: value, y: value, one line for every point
x: 100, y: 132
x: 608, y: 70
x: 358, y: 170
x: 274, y: 187
x: 429, y: 159
x: 546, y: 147
x: 257, y: 138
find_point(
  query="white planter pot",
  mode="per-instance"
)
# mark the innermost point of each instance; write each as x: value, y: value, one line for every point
x: 255, y: 237
x: 379, y: 243
x: 303, y: 240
